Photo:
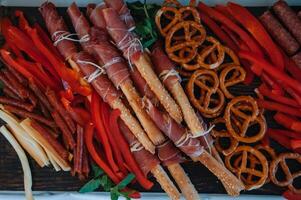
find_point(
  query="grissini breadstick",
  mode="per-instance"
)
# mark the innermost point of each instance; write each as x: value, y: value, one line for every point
x: 192, y: 148
x: 149, y: 163
x: 132, y: 50
x: 115, y: 67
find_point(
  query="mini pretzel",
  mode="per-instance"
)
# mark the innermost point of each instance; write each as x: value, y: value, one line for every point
x: 187, y: 11
x: 172, y: 3
x: 245, y: 111
x: 208, y: 83
x: 254, y: 162
x: 171, y: 15
x: 238, y: 76
x: 192, y: 40
x: 289, y: 176
x: 218, y: 134
x: 203, y: 55
x: 241, y: 169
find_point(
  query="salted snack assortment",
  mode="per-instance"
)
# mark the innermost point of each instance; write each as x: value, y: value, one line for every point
x: 139, y: 89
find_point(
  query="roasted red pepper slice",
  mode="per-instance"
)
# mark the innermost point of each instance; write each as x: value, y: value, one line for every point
x: 281, y: 139
x: 218, y: 31
x: 288, y: 122
x: 289, y: 195
x: 89, y: 132
x: 255, y: 28
x: 271, y: 70
x: 105, y: 114
x: 296, y: 144
x: 270, y: 105
x: 67, y: 74
x: 216, y: 15
x: 126, y: 153
x: 275, y: 87
x: 290, y: 134
x: 101, y: 132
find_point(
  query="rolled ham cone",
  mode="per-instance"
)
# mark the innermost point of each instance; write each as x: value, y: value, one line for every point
x: 57, y: 28
x: 165, y: 69
x: 149, y: 163
x: 121, y: 8
x: 105, y: 88
x: 132, y: 50
x: 192, y: 148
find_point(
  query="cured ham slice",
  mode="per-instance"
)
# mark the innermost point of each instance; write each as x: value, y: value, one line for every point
x: 169, y: 154
x: 58, y: 29
x: 132, y: 50
x: 121, y: 8
x: 149, y: 163
x: 95, y: 15
x: 117, y: 71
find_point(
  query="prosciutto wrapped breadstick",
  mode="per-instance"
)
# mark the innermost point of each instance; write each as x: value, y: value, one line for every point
x: 192, y: 148
x: 132, y: 50
x: 110, y: 95
x: 165, y: 69
x: 113, y: 64
x: 149, y: 163
x: 167, y: 152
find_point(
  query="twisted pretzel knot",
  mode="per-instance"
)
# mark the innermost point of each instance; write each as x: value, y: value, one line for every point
x: 254, y: 162
x: 242, y: 168
x: 241, y: 113
x: 220, y: 133
x: 289, y: 176
x: 231, y: 75
x: 211, y: 100
x: 184, y: 51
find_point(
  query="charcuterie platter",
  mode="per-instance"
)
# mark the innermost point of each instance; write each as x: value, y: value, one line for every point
x: 139, y: 97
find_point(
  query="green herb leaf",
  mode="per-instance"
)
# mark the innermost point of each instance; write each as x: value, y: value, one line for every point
x: 97, y: 171
x: 90, y: 186
x: 106, y: 183
x: 127, y: 180
x: 114, y: 195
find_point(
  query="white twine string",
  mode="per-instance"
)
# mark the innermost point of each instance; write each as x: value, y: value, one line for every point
x: 129, y: 44
x: 170, y: 156
x: 59, y: 36
x: 137, y: 146
x: 126, y: 16
x: 112, y: 62
x: 99, y: 71
x: 165, y: 74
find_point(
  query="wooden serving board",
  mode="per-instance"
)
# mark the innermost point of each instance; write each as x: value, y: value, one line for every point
x: 46, y: 179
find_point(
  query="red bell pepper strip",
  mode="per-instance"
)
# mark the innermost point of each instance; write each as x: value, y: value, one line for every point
x: 36, y: 71
x: 296, y: 144
x: 23, y: 23
x: 218, y: 31
x: 216, y: 15
x: 124, y: 147
x: 224, y: 10
x: 290, y: 134
x: 70, y: 76
x: 255, y: 28
x: 265, y: 140
x: 105, y: 114
x: 101, y: 132
x: 270, y: 105
x: 289, y: 195
x: 232, y: 35
x: 281, y: 139
x: 89, y: 132
x: 6, y: 56
x: 265, y: 91
x: 276, y: 88
x: 271, y: 70
x: 288, y: 122
x: 292, y: 68
x: 47, y: 40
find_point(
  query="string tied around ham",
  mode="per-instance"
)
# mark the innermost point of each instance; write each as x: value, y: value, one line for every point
x: 59, y: 36
x: 137, y: 146
x: 126, y: 16
x: 165, y: 74
x: 99, y: 71
x: 129, y: 44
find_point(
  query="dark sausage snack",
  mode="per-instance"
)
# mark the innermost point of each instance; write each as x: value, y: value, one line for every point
x: 279, y: 33
x: 289, y: 18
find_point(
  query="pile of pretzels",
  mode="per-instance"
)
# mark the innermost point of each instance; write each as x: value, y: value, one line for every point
x: 211, y: 69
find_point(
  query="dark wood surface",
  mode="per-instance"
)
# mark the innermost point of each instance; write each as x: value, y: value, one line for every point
x: 46, y: 179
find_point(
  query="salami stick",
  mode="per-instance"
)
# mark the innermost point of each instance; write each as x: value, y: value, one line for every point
x: 13, y: 102
x: 42, y: 98
x: 289, y: 18
x: 297, y: 59
x: 279, y: 33
x: 9, y: 93
x: 26, y: 114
